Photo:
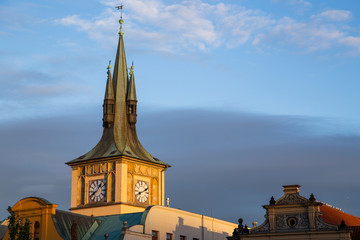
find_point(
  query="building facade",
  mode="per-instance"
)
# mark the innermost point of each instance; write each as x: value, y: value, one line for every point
x: 295, y: 217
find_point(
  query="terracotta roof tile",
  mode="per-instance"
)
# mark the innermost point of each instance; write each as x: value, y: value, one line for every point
x: 334, y: 216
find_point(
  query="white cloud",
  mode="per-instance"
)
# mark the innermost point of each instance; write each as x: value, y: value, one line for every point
x: 334, y: 15
x: 353, y: 42
x: 306, y: 35
x: 97, y: 29
x: 195, y: 25
x: 51, y: 90
x: 300, y: 2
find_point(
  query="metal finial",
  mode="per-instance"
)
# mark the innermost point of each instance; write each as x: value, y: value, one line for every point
x: 109, y: 67
x: 132, y: 68
x: 121, y: 21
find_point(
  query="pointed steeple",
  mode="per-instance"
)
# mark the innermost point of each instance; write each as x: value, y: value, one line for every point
x: 109, y: 101
x: 120, y: 112
x: 120, y: 80
x: 131, y: 89
x: 131, y: 100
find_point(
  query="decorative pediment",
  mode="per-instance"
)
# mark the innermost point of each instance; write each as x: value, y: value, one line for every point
x: 292, y: 198
x: 263, y: 228
x: 321, y: 225
x: 292, y: 222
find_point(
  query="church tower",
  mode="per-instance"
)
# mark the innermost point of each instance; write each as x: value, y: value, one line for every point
x: 118, y: 175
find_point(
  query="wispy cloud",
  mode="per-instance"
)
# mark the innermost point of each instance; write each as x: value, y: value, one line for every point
x: 353, y: 42
x: 306, y: 35
x: 29, y: 93
x: 300, y: 2
x: 334, y: 15
x: 49, y: 90
x: 196, y: 25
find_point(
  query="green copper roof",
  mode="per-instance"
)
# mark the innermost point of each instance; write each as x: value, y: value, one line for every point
x: 63, y: 221
x: 120, y: 138
x: 113, y: 224
x: 94, y: 228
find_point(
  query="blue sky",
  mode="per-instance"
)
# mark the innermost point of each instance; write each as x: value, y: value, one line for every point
x: 296, y: 61
x: 278, y: 57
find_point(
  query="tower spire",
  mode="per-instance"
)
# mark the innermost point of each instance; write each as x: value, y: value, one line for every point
x: 109, y: 101
x: 112, y: 164
x: 120, y: 80
x: 131, y: 98
x: 120, y: 113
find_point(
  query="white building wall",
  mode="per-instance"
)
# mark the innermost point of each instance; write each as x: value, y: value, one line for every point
x: 179, y: 222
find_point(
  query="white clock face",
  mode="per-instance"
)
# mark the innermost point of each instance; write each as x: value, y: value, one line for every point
x: 97, y: 190
x: 141, y: 191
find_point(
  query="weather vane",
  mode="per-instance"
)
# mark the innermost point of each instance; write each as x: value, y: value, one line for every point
x: 120, y: 8
x: 121, y: 21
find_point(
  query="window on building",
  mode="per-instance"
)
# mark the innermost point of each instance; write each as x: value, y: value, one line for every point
x: 82, y: 194
x: 113, y: 187
x: 169, y: 236
x: 155, y: 235
x: 182, y: 237
x: 36, y: 230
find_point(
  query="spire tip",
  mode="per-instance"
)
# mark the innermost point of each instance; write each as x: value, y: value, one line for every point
x: 121, y: 21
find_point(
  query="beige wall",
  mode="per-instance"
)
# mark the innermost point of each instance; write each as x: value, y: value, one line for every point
x: 179, y: 222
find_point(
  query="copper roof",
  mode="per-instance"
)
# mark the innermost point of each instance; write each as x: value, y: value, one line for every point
x: 120, y: 138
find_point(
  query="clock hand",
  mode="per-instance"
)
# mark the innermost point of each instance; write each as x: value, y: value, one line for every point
x: 142, y: 191
x: 94, y: 192
x: 97, y: 189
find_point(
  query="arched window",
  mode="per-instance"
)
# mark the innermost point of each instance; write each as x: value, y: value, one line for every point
x: 36, y: 230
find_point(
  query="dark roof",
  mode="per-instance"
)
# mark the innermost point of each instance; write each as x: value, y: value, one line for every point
x: 334, y: 217
x: 63, y: 221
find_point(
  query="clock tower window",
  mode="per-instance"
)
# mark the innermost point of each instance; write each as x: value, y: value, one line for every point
x: 82, y: 191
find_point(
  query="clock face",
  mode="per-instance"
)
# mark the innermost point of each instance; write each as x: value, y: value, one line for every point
x: 97, y: 190
x: 141, y: 191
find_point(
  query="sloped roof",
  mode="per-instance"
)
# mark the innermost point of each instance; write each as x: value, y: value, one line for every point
x: 334, y: 216
x: 113, y: 224
x: 119, y: 139
x: 63, y: 221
